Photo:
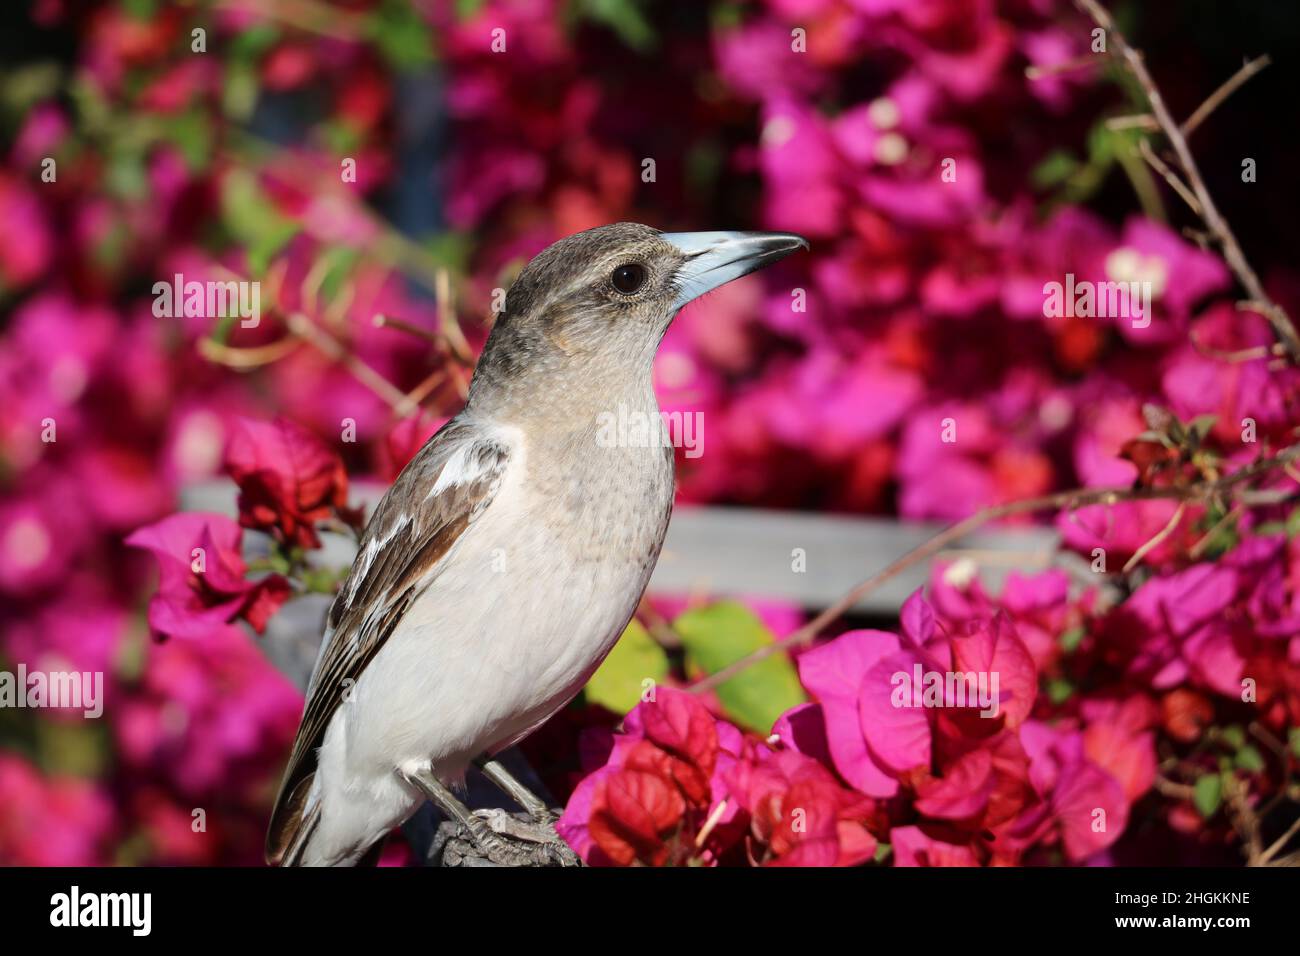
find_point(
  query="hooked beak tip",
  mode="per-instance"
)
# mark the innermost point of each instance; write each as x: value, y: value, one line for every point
x: 715, y: 258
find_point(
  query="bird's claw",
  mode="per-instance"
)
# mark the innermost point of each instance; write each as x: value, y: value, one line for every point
x: 510, y: 841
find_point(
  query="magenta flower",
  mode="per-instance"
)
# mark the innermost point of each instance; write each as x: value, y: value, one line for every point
x: 202, y: 585
x: 59, y: 821
x: 211, y: 716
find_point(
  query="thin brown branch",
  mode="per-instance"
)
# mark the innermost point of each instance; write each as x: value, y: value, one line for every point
x: 332, y: 348
x: 248, y: 357
x: 1169, y: 176
x: 1244, y: 819
x: 1037, y: 72
x: 1214, y: 221
x: 1143, y: 121
x: 381, y: 321
x: 1196, y: 550
x: 1230, y: 86
x: 1154, y: 541
x: 1173, y: 790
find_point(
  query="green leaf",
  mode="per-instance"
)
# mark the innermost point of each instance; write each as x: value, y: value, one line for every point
x: 624, y: 17
x: 723, y: 633
x: 1207, y: 794
x: 140, y: 9
x: 1200, y: 426
x: 1293, y: 523
x: 191, y: 133
x: 401, y: 35
x: 1059, y: 690
x: 1249, y: 759
x: 1071, y: 639
x: 1056, y: 168
x: 617, y: 683
x: 1234, y: 736
x: 253, y: 220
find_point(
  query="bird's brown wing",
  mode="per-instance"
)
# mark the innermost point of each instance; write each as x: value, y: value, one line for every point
x: 436, y: 497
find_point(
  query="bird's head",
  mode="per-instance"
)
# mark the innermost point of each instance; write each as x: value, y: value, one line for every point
x: 599, y: 301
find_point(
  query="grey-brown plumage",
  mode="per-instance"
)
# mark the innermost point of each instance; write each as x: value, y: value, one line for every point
x: 502, y: 565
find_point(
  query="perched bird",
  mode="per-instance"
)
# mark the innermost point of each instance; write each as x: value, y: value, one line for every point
x: 506, y: 560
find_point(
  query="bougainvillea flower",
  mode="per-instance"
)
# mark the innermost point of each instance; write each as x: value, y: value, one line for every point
x: 1085, y: 806
x: 59, y: 821
x: 835, y: 672
x: 202, y: 585
x: 288, y: 479
x: 801, y: 813
x: 913, y: 846
x: 658, y: 781
x: 1118, y: 738
x: 210, y: 717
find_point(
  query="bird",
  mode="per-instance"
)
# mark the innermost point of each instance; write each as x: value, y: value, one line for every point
x: 508, y: 556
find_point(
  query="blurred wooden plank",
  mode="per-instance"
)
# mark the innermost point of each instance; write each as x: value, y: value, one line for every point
x: 732, y: 551
x: 752, y: 552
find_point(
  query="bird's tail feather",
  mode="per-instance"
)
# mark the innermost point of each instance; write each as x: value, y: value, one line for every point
x: 291, y: 828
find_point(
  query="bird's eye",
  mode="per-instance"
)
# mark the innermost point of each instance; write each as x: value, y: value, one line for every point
x: 628, y: 278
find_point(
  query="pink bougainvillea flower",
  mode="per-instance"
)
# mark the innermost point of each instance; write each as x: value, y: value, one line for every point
x: 288, y: 479
x: 81, y: 631
x: 39, y: 536
x: 1118, y: 738
x: 1085, y: 806
x: 659, y: 778
x: 835, y: 672
x: 25, y: 243
x: 1173, y: 628
x: 210, y: 716
x: 51, y: 821
x: 801, y: 813
x: 202, y: 586
x: 913, y: 846
x: 964, y: 790
x: 992, y: 647
x: 635, y: 807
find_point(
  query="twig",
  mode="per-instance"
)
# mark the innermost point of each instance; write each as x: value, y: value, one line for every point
x: 330, y: 347
x: 381, y: 321
x: 1154, y: 541
x: 1239, y: 355
x: 1169, y: 788
x: 1214, y: 221
x: 1244, y: 819
x: 1171, y: 177
x: 1275, y: 847
x: 1144, y: 121
x: 1231, y: 515
x: 1230, y: 86
x: 1037, y: 72
x: 245, y: 358
x: 1077, y: 498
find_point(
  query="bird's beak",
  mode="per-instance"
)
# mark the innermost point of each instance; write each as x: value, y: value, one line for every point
x: 715, y: 258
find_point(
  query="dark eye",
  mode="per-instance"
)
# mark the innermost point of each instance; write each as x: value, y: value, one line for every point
x: 628, y: 278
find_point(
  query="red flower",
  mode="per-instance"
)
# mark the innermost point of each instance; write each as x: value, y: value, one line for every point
x: 803, y: 815
x: 658, y: 787
x: 637, y: 807
x: 288, y: 480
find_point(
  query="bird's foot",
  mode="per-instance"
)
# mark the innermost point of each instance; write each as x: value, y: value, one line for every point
x: 508, y: 840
